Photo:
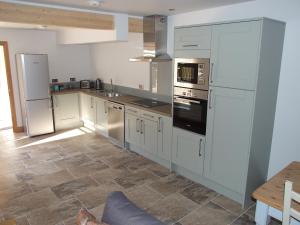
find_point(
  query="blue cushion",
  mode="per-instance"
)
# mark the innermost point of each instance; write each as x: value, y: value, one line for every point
x: 120, y: 211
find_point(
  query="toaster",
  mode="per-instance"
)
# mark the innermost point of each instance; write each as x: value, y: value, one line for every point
x: 85, y: 84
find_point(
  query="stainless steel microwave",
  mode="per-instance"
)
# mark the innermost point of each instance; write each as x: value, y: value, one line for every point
x: 191, y: 73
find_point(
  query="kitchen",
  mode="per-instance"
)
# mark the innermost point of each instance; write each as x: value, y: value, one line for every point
x: 141, y: 78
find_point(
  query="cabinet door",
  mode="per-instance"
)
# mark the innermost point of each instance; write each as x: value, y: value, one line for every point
x: 164, y: 137
x: 92, y: 109
x: 149, y: 135
x: 132, y: 129
x: 192, y: 38
x: 101, y: 113
x: 188, y: 149
x: 66, y: 111
x: 235, y: 55
x: 84, y: 106
x: 228, y: 136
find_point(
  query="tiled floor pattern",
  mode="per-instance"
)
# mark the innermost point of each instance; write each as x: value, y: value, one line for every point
x: 46, y: 180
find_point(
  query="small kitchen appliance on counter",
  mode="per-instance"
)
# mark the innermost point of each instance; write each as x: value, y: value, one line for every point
x: 99, y: 84
x: 85, y: 84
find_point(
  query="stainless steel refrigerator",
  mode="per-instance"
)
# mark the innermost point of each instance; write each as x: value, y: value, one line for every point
x: 33, y: 75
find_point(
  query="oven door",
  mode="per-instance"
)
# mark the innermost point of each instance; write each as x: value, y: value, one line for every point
x: 190, y: 114
x: 191, y: 73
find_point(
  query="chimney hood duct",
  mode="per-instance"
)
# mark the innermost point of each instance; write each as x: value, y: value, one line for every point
x: 155, y: 40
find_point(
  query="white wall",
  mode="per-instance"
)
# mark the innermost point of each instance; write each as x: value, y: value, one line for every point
x: 64, y: 61
x: 285, y: 145
x: 111, y: 61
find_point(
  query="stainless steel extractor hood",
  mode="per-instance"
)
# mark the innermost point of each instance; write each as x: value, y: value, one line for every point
x: 155, y: 40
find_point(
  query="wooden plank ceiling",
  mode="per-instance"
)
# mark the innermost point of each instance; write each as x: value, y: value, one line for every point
x: 19, y: 13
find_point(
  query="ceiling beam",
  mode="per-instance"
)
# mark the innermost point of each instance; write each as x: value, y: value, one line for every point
x: 21, y: 13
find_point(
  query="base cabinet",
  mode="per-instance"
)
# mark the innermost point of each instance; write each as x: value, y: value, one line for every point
x: 148, y: 134
x: 229, y: 127
x: 66, y: 111
x: 88, y: 110
x: 188, y: 150
x: 101, y: 115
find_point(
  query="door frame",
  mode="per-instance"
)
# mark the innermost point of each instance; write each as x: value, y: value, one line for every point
x: 15, y: 127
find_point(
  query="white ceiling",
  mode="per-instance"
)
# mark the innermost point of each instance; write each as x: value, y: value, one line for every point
x: 141, y: 7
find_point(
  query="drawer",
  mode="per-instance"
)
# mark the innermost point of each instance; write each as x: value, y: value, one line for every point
x: 191, y: 38
x: 132, y: 110
x: 149, y: 115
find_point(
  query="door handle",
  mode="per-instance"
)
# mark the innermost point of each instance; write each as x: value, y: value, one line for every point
x: 200, y: 148
x: 142, y: 125
x: 210, y: 98
x: 105, y: 107
x: 159, y: 124
x: 211, y: 72
x: 137, y: 125
x: 56, y: 101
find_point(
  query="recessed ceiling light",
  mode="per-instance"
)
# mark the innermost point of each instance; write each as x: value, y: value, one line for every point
x: 95, y: 3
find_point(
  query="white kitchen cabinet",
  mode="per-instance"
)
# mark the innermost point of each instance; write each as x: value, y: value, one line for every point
x: 148, y: 134
x: 229, y: 127
x: 244, y: 75
x: 132, y: 129
x: 235, y: 53
x: 88, y: 110
x: 66, y: 111
x: 101, y: 115
x: 192, y: 42
x: 164, y: 137
x: 188, y: 150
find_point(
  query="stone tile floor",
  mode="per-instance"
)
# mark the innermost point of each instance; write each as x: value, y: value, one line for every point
x: 45, y: 181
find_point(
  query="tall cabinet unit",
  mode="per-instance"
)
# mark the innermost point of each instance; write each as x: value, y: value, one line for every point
x: 244, y: 75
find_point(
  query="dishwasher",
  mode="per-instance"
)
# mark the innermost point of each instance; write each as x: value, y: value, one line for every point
x: 116, y: 114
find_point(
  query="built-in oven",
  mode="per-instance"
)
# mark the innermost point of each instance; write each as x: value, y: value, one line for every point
x: 190, y: 109
x: 191, y: 73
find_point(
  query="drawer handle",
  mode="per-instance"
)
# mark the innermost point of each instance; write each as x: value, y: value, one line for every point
x: 190, y: 46
x: 131, y: 110
x: 148, y: 115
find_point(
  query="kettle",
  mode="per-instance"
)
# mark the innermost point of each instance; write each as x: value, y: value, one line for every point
x: 99, y: 84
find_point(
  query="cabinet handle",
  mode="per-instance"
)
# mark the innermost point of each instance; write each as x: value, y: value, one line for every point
x: 131, y: 110
x: 92, y: 103
x: 194, y: 45
x: 56, y: 101
x: 200, y: 148
x: 148, y: 115
x: 210, y: 98
x: 159, y: 125
x: 211, y: 72
x: 105, y: 107
x: 142, y: 131
x: 137, y: 125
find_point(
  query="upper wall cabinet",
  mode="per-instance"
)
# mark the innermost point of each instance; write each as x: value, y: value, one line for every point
x: 192, y: 42
x: 235, y: 50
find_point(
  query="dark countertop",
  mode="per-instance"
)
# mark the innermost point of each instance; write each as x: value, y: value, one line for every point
x: 164, y: 110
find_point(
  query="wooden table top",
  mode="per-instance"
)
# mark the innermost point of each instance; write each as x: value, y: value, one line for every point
x: 272, y: 192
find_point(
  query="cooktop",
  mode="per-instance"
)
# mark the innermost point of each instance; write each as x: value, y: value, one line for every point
x: 148, y: 103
